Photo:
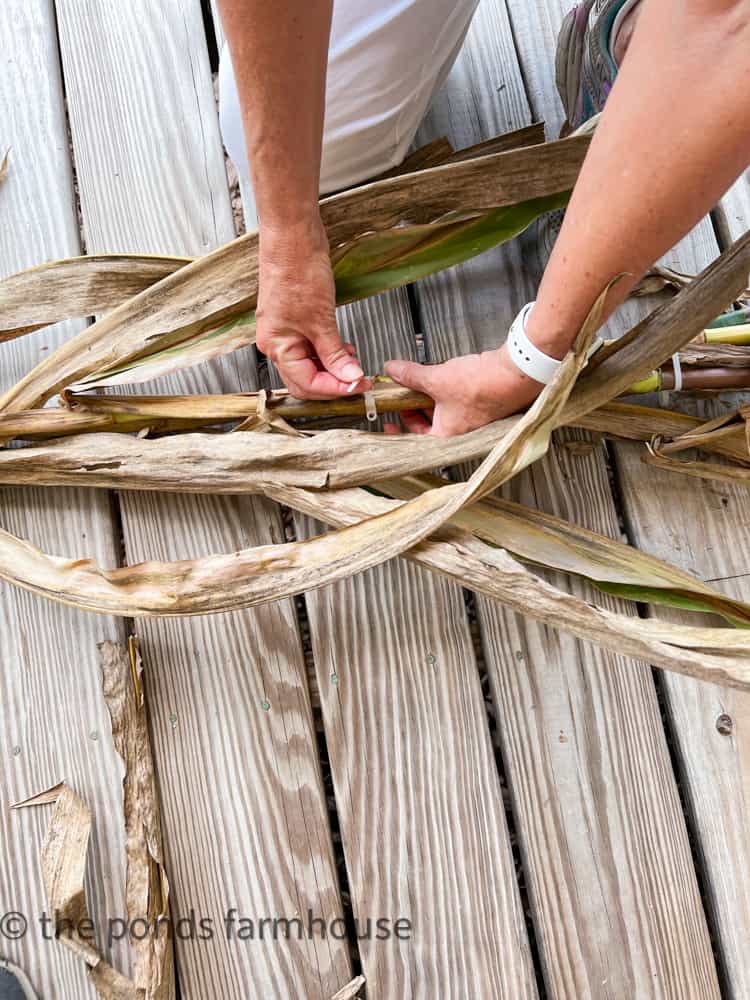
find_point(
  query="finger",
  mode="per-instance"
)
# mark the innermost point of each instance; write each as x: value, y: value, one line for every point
x: 351, y: 349
x: 389, y: 428
x: 416, y: 422
x: 422, y: 378
x: 446, y: 426
x: 335, y: 356
x: 311, y: 383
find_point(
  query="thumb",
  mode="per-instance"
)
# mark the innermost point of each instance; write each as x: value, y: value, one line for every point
x: 413, y: 376
x: 336, y: 357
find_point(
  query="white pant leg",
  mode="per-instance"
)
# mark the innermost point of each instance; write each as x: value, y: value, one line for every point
x: 386, y: 60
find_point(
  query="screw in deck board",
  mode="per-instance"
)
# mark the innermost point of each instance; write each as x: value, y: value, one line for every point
x: 16, y: 750
x: 724, y: 724
x: 173, y: 719
x: 265, y: 705
x: 94, y: 735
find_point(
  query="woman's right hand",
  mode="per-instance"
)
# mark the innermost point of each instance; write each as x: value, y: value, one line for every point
x: 296, y: 315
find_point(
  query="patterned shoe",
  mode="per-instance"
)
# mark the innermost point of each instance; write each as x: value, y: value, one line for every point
x: 585, y: 65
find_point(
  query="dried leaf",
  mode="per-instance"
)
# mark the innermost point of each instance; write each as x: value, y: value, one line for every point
x: 78, y: 286
x: 270, y: 572
x: 211, y: 300
x: 91, y: 285
x: 662, y: 333
x: 715, y: 355
x: 723, y: 473
x: 642, y: 423
x: 4, y: 166
x: 351, y: 990
x: 529, y: 135
x: 706, y: 435
x: 494, y: 573
x: 659, y: 278
x: 231, y: 463
x: 433, y: 154
x: 545, y: 540
x: 63, y: 868
x: 146, y: 885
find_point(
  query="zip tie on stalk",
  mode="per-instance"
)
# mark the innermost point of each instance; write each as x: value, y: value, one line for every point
x: 371, y: 409
x: 677, y: 366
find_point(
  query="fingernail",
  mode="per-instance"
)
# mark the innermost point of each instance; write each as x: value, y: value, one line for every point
x: 351, y: 373
x: 353, y: 386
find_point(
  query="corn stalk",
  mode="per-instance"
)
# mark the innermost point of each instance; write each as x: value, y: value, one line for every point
x: 381, y: 235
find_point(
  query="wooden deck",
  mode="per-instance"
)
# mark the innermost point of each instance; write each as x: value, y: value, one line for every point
x: 550, y: 819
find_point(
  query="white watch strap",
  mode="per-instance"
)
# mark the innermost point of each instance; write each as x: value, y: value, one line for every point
x: 525, y: 356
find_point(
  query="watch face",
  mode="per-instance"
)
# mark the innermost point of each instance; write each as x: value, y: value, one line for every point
x: 11, y: 987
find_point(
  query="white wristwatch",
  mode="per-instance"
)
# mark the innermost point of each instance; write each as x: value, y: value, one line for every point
x: 525, y: 356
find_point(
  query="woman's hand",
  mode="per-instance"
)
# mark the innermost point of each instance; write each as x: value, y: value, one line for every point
x: 296, y: 313
x: 469, y: 392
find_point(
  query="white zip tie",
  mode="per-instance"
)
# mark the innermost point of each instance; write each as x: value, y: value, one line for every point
x: 371, y: 409
x: 677, y: 366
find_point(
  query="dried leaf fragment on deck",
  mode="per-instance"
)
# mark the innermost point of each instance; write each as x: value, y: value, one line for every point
x: 66, y: 842
x: 146, y: 885
x: 63, y: 857
x: 351, y: 990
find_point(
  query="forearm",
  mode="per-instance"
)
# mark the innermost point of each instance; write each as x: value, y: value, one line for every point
x: 280, y: 54
x: 674, y: 135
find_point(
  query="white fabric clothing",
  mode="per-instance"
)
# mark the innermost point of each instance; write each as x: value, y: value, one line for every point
x: 387, y: 58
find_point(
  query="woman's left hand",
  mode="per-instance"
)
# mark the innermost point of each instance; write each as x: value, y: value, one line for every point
x: 469, y: 392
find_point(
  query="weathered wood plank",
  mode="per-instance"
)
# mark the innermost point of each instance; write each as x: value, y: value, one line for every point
x: 244, y: 811
x: 613, y: 890
x: 53, y: 719
x: 732, y: 214
x: 417, y: 789
x: 703, y: 526
x: 407, y: 737
x: 663, y: 514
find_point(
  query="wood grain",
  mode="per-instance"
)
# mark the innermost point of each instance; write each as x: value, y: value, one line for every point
x: 703, y: 526
x: 53, y: 718
x: 243, y: 805
x: 692, y: 527
x: 417, y: 789
x: 614, y: 896
x: 732, y: 214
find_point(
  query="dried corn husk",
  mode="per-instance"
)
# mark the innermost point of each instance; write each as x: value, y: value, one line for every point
x: 91, y: 285
x: 661, y: 334
x: 720, y: 655
x: 376, y: 528
x: 78, y: 286
x: 548, y: 541
x: 274, y: 571
x: 63, y: 867
x: 737, y: 474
